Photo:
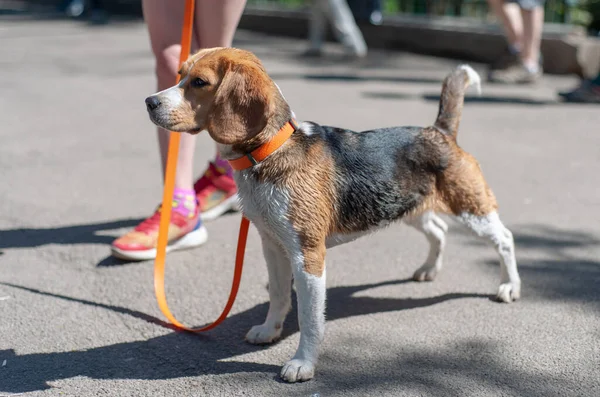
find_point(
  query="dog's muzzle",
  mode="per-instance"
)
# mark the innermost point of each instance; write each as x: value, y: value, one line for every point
x: 152, y: 103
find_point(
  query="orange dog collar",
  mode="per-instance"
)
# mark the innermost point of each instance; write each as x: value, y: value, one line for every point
x: 266, y: 149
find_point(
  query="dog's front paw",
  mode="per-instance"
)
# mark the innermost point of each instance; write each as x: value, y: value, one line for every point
x: 425, y: 273
x: 509, y: 292
x: 297, y: 370
x: 263, y: 334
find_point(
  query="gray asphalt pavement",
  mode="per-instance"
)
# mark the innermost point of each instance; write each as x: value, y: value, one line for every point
x: 79, y: 165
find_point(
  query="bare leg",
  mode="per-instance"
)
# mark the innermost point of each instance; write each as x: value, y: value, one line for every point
x: 510, y: 17
x: 316, y: 26
x: 164, y: 20
x: 345, y: 28
x: 214, y: 26
x: 490, y: 227
x: 533, y: 22
x: 435, y: 230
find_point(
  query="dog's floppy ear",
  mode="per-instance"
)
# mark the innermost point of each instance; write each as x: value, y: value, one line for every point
x: 242, y: 104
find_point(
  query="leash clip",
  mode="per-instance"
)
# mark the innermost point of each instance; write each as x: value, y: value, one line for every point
x: 251, y: 158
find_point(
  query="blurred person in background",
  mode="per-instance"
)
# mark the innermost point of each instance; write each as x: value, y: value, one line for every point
x: 587, y: 92
x: 522, y: 21
x: 344, y: 27
x: 367, y: 11
x: 94, y: 9
x: 214, y: 193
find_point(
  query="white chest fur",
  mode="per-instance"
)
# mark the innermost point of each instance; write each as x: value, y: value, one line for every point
x: 266, y: 205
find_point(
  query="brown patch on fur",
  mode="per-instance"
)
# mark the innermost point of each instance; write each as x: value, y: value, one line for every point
x: 279, y: 118
x: 463, y: 188
x: 312, y: 201
x: 460, y: 187
x: 307, y: 173
x: 242, y: 103
x: 314, y: 259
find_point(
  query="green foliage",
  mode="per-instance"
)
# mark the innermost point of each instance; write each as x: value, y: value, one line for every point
x: 587, y: 13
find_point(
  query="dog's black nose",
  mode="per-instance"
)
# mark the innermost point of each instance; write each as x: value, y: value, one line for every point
x: 152, y: 102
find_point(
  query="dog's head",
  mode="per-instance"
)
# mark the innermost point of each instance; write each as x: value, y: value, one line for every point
x: 225, y: 91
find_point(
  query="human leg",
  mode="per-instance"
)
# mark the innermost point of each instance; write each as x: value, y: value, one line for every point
x: 509, y: 15
x: 532, y: 13
x: 587, y: 92
x: 316, y: 27
x: 525, y: 67
x: 215, y: 27
x: 345, y: 28
x: 163, y: 20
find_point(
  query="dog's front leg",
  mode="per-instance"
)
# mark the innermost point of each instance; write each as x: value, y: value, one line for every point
x: 309, y: 278
x: 280, y: 291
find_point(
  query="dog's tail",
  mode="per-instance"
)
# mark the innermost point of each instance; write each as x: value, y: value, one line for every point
x: 452, y: 98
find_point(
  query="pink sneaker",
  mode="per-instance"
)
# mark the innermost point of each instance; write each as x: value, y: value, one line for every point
x: 140, y: 243
x: 216, y: 192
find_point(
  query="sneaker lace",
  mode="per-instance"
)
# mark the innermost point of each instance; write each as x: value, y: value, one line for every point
x: 205, y: 193
x: 150, y: 224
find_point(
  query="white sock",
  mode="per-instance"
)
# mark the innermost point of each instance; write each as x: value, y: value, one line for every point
x: 531, y: 67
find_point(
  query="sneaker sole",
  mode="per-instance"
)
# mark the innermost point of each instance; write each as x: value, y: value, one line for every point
x: 230, y: 204
x: 193, y: 239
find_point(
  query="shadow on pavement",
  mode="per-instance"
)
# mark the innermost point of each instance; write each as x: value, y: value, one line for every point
x: 122, y: 11
x: 487, y: 99
x: 564, y: 273
x: 114, y: 261
x: 516, y: 100
x: 346, y: 77
x: 78, y: 234
x: 552, y: 239
x: 476, y: 367
x: 564, y: 277
x: 553, y: 263
x: 179, y: 354
x: 113, y: 308
x: 562, y: 280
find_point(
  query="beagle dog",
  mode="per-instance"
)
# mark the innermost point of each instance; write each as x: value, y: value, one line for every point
x: 308, y: 187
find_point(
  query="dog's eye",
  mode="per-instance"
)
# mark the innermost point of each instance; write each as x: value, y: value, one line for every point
x: 198, y: 83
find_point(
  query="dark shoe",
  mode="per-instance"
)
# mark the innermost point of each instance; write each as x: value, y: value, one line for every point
x: 98, y: 17
x: 585, y: 93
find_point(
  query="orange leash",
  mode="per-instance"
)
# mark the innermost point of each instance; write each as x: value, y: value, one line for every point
x: 165, y: 218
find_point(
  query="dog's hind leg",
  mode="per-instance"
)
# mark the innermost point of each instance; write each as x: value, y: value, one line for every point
x: 490, y: 227
x: 280, y: 276
x: 435, y: 230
